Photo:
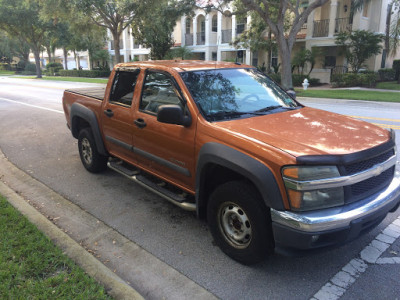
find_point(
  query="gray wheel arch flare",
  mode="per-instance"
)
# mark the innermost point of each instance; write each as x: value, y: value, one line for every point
x: 256, y: 172
x: 80, y: 111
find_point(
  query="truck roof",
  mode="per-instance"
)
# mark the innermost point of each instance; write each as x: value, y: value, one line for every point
x: 183, y: 65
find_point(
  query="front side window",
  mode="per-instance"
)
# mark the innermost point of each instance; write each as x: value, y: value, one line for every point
x: 123, y: 87
x: 158, y: 89
x: 223, y: 94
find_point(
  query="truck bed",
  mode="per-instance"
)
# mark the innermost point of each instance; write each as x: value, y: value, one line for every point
x: 94, y: 92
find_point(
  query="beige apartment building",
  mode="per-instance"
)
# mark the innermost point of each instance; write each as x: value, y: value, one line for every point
x: 209, y: 36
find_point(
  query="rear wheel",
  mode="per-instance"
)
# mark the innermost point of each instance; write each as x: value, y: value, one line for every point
x: 240, y: 223
x: 91, y: 159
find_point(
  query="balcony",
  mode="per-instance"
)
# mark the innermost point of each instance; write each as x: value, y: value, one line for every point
x: 189, y: 39
x: 201, y: 38
x: 343, y: 25
x: 321, y: 28
x: 226, y: 36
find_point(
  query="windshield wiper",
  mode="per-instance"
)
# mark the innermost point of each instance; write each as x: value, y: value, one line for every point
x: 227, y: 114
x: 269, y: 108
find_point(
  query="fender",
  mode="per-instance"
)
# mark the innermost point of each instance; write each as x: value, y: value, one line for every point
x: 80, y: 111
x: 258, y: 173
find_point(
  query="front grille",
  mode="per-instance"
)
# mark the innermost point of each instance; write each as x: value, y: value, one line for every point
x: 371, y: 185
x: 369, y: 163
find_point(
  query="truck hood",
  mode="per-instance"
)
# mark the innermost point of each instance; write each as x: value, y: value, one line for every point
x: 308, y: 131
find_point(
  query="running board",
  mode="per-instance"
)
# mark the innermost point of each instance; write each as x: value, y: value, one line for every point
x: 134, y: 174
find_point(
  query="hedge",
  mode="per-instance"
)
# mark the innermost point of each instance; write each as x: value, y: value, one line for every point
x: 354, y: 79
x: 85, y: 73
x: 396, y: 68
x: 297, y: 79
x: 386, y: 74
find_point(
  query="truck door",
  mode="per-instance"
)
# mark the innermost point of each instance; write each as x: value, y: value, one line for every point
x: 165, y: 149
x: 118, y: 115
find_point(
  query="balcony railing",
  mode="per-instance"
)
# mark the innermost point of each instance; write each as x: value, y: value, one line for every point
x: 201, y: 38
x: 343, y: 25
x: 189, y: 39
x: 321, y: 28
x: 226, y: 36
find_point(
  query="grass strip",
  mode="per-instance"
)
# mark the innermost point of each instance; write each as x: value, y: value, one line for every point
x: 390, y: 85
x: 72, y: 79
x: 32, y: 267
x: 3, y: 73
x: 351, y: 94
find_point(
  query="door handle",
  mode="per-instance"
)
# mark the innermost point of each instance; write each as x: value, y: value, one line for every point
x: 108, y: 113
x: 140, y: 123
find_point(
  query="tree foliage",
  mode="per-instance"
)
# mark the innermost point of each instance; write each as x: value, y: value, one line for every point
x: 358, y: 46
x: 153, y: 27
x: 114, y: 15
x: 20, y: 18
x: 275, y: 15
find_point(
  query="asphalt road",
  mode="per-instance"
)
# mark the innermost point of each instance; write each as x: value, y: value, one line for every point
x: 33, y: 136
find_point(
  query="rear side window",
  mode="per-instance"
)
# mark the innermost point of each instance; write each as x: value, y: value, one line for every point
x: 123, y: 87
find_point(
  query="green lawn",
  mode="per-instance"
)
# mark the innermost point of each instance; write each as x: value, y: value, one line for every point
x: 350, y: 94
x: 391, y: 85
x: 32, y: 267
x: 59, y: 78
x: 2, y: 73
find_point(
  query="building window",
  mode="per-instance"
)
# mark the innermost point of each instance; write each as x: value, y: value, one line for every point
x: 214, y: 56
x: 365, y: 9
x: 188, y: 21
x: 214, y: 23
x: 241, y: 25
x: 330, y: 61
x: 274, y: 58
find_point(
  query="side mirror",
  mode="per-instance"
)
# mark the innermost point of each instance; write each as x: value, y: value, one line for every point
x: 292, y: 94
x: 173, y: 114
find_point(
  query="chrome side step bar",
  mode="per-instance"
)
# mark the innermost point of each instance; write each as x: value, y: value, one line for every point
x: 134, y: 174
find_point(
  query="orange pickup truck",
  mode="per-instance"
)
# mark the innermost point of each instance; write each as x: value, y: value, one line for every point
x: 224, y: 140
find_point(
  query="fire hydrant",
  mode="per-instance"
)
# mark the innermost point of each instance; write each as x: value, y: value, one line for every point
x: 305, y: 84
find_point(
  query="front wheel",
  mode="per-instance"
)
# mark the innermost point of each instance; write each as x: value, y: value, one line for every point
x: 91, y: 159
x: 240, y: 223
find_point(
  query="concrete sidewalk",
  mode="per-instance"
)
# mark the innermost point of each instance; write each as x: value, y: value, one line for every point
x: 101, y: 251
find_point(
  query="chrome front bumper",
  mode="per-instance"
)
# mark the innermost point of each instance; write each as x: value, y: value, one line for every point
x: 341, y: 217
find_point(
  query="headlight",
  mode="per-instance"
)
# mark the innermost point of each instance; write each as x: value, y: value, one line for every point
x: 299, y: 179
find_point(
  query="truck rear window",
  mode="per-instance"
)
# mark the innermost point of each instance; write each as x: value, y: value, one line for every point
x: 227, y: 93
x: 124, y: 86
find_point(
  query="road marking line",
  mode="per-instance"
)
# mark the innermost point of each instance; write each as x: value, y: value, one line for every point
x: 371, y: 254
x: 31, y: 105
x: 387, y: 126
x: 373, y: 118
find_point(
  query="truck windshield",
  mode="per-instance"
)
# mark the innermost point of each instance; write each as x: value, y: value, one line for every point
x: 230, y: 93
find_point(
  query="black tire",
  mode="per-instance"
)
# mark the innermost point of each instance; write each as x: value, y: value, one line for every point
x: 91, y: 159
x: 240, y: 222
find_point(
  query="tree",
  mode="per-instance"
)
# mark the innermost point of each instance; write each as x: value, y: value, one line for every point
x: 182, y: 52
x: 13, y: 46
x: 254, y: 38
x: 358, y: 46
x: 275, y: 14
x: 6, y: 51
x: 20, y: 18
x: 153, y: 27
x: 394, y: 32
x: 114, y: 15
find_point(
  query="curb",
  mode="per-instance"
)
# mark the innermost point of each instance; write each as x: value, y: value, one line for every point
x: 135, y: 272
x: 114, y: 285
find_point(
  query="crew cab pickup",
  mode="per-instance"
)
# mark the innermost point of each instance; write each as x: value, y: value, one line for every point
x: 226, y: 141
